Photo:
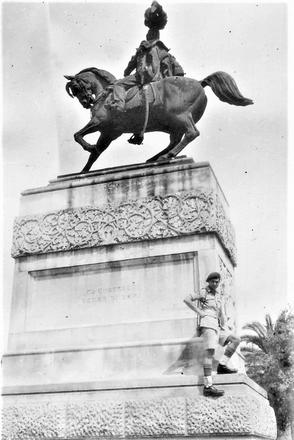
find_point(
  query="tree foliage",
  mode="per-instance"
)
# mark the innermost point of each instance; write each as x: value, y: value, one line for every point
x: 269, y: 359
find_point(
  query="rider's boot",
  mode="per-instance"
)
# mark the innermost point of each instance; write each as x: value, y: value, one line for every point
x: 136, y: 139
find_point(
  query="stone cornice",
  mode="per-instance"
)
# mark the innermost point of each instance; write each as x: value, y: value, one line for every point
x: 173, y: 215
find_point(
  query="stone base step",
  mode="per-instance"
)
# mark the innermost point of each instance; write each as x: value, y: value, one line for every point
x: 145, y: 408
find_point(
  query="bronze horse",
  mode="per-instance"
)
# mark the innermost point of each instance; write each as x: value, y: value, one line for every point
x: 178, y: 104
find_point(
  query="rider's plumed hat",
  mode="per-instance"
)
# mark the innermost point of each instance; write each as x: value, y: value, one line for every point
x: 213, y: 276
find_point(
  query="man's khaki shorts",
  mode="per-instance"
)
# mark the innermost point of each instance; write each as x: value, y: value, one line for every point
x: 212, y: 338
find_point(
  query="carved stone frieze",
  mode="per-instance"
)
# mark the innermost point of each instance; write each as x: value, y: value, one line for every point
x: 151, y: 218
x: 179, y: 416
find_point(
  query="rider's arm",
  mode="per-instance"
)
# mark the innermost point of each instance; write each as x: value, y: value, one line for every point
x: 177, y: 68
x: 191, y: 301
x: 131, y: 66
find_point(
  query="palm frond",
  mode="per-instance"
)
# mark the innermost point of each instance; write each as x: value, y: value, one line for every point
x: 256, y: 340
x: 256, y: 327
x: 269, y: 324
x: 268, y: 352
x: 250, y: 349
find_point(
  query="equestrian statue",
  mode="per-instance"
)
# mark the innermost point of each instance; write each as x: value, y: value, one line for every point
x: 157, y: 97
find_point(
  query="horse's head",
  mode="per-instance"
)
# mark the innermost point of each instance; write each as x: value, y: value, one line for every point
x: 88, y: 84
x: 81, y: 89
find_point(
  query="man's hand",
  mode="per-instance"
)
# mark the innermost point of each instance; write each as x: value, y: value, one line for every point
x: 189, y: 301
x: 203, y: 300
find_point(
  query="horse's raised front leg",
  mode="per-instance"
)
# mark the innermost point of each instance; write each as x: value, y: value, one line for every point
x: 103, y: 142
x: 91, y: 127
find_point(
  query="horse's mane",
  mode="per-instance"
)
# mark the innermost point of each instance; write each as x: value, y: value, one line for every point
x: 101, y: 74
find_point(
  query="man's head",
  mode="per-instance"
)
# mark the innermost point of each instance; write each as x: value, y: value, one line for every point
x: 213, y: 280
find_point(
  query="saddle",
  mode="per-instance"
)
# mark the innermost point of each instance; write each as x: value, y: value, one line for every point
x: 136, y: 96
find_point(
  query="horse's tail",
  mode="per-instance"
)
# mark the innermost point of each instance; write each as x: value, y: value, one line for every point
x: 225, y: 88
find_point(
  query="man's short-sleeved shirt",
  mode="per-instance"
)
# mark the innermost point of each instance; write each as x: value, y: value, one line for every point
x: 213, y: 309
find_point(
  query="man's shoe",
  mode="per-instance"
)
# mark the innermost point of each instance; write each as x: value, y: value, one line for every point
x: 223, y: 369
x: 212, y: 392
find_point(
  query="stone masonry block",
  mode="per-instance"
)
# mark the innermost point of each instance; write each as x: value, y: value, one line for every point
x: 94, y: 419
x: 229, y: 415
x: 155, y: 417
x: 27, y: 422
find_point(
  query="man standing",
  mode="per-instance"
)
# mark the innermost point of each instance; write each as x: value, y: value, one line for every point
x: 209, y: 306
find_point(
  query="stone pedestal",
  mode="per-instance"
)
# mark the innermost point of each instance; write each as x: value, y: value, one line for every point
x: 170, y: 406
x: 100, y: 338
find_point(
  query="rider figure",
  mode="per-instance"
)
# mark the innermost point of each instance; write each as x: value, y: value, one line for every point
x: 152, y: 62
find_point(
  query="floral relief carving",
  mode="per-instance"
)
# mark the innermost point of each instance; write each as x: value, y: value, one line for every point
x: 172, y: 215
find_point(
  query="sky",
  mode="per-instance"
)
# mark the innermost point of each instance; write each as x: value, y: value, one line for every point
x: 246, y: 146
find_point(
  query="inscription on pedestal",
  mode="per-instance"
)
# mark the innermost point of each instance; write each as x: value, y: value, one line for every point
x: 109, y: 294
x: 118, y: 292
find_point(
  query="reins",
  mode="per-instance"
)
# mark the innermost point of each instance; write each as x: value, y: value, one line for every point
x: 145, y: 95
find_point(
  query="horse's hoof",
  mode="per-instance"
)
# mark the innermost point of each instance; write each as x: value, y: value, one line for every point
x: 151, y: 160
x: 166, y: 158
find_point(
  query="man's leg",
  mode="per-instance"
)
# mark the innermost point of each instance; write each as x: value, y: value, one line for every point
x: 207, y: 367
x: 118, y: 97
x: 210, y: 339
x: 120, y: 88
x: 231, y: 342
